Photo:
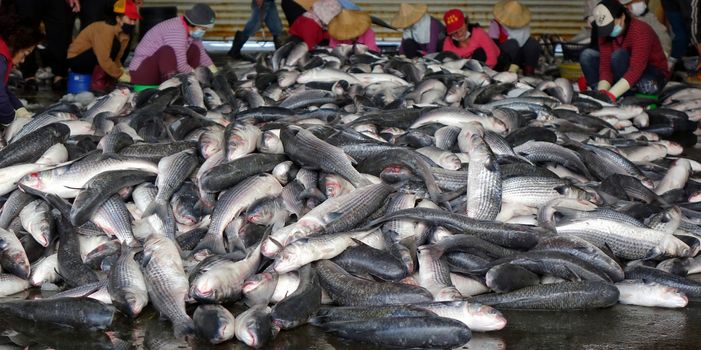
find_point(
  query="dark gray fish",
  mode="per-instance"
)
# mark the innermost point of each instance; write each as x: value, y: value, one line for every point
x: 214, y: 323
x: 80, y: 313
x: 30, y: 147
x: 557, y: 296
x: 296, y: 308
x: 507, y: 277
x: 346, y: 289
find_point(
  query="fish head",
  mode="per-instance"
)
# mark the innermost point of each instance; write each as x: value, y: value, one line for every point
x: 33, y: 180
x: 672, y: 297
x: 287, y: 259
x: 205, y: 289
x: 670, y: 246
x: 275, y: 242
x: 395, y: 174
x: 484, y: 317
x: 450, y: 161
x: 134, y: 304
x: 257, y: 283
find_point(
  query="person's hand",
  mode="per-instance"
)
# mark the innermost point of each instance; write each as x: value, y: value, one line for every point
x: 611, y: 98
x: 601, y: 95
x: 259, y: 3
x: 213, y: 69
x: 74, y: 5
x: 125, y: 77
x: 22, y: 113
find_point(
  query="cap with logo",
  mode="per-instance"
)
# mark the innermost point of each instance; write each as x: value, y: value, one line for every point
x: 127, y: 8
x: 454, y: 20
x: 604, y: 14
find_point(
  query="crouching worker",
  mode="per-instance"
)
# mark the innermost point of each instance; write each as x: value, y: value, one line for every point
x: 422, y: 34
x: 171, y: 47
x: 630, y: 56
x: 99, y: 48
x: 17, y: 41
x: 469, y: 41
x: 310, y: 28
x: 352, y: 27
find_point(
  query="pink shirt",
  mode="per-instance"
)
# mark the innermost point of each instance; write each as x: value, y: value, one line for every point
x: 478, y: 40
x: 367, y: 39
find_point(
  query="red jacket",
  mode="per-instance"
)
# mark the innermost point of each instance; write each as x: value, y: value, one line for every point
x: 309, y: 31
x: 644, y: 47
x: 5, y: 52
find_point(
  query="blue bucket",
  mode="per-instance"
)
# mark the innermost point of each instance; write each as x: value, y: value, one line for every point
x: 78, y: 83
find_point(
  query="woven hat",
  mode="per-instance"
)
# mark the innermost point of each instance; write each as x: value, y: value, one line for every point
x: 349, y: 24
x: 408, y: 15
x: 326, y: 10
x: 512, y: 13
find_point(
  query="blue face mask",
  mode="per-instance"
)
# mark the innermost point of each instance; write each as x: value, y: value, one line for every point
x: 617, y: 30
x: 197, y: 34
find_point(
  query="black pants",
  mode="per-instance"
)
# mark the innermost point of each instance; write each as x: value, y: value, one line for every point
x: 525, y: 56
x: 58, y: 20
x: 503, y: 61
x: 292, y: 10
x: 92, y: 11
x: 86, y: 62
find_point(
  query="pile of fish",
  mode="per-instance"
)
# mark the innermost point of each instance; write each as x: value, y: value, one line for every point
x: 384, y: 200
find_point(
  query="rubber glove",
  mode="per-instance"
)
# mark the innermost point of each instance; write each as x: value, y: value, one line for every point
x: 22, y: 113
x: 213, y: 69
x: 125, y: 77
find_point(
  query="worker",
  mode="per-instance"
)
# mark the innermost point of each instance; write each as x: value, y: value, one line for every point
x: 639, y: 9
x: 295, y: 8
x: 99, y: 48
x: 422, y: 34
x: 630, y: 55
x: 311, y: 27
x: 511, y: 29
x: 352, y: 27
x: 469, y: 41
x: 58, y: 17
x: 172, y: 46
x: 261, y: 10
x: 17, y: 41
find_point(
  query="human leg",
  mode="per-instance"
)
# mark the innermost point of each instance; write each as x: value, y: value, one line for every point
x: 589, y: 61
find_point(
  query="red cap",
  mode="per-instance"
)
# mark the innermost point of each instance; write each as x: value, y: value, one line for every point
x: 128, y: 8
x: 454, y: 20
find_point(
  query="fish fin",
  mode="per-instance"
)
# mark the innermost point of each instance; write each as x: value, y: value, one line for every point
x: 352, y: 160
x: 491, y: 164
x: 214, y: 244
x: 276, y: 243
x: 75, y: 188
x: 652, y: 254
x: 332, y: 216
x: 358, y: 242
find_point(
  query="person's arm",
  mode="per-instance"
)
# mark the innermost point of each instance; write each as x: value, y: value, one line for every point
x: 488, y: 45
x: 639, y: 58
x: 435, y: 37
x: 7, y: 110
x: 102, y: 46
x: 605, y: 73
x: 205, y: 60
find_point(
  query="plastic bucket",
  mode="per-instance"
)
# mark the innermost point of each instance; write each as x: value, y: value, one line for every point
x: 139, y: 87
x: 571, y: 71
x: 78, y: 83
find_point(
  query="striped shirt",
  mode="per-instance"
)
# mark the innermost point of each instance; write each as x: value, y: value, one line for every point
x: 644, y: 48
x: 173, y: 33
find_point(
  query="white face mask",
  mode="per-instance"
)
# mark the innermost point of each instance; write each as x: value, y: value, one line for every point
x: 638, y: 8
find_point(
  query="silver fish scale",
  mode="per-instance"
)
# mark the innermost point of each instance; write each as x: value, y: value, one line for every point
x: 39, y: 121
x: 446, y: 137
x: 484, y: 185
x: 124, y: 273
x: 167, y: 286
x: 616, y: 159
x: 538, y: 151
x: 626, y: 241
x: 530, y: 190
x: 401, y: 228
x: 332, y: 158
x: 172, y: 171
x: 113, y: 217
